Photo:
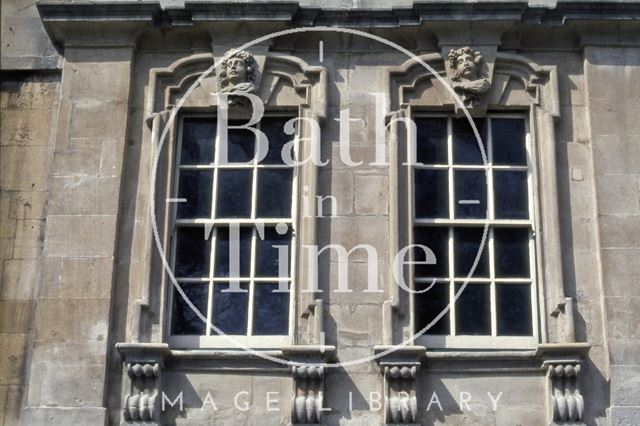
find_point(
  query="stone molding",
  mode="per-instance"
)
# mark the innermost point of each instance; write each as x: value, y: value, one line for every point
x: 399, y: 369
x: 55, y: 14
x: 144, y: 364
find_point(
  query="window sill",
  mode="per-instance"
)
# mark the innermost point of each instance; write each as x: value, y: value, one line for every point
x: 496, y: 360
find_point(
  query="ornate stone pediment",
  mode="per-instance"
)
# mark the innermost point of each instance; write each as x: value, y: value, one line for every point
x: 511, y: 82
x: 281, y: 81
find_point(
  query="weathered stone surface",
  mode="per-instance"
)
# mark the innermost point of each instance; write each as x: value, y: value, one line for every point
x: 58, y: 319
x: 372, y: 195
x: 627, y: 379
x: 77, y: 277
x: 52, y: 416
x: 28, y: 240
x: 80, y: 236
x: 618, y: 194
x: 23, y: 167
x: 15, y: 316
x: 12, y: 358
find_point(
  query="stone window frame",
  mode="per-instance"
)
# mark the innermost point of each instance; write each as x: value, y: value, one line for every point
x: 289, y: 85
x: 519, y: 86
x: 481, y: 341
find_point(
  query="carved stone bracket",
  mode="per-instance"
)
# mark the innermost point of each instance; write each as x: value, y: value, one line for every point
x: 400, y: 368
x: 309, y: 392
x: 567, y: 404
x: 562, y: 363
x: 144, y: 363
x: 308, y: 377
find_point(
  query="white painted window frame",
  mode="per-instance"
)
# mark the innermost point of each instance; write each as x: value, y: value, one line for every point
x: 493, y: 341
x: 234, y: 341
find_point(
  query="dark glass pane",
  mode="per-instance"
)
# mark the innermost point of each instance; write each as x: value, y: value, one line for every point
x: 234, y: 193
x: 222, y: 252
x: 512, y: 252
x: 471, y: 194
x: 508, y: 139
x: 274, y: 129
x: 513, y: 303
x: 465, y: 144
x: 436, y: 239
x: 195, y: 187
x: 192, y: 252
x: 198, y: 137
x: 466, y: 243
x: 431, y: 146
x: 274, y: 192
x: 270, y: 310
x: 267, y: 262
x: 184, y: 320
x: 429, y: 305
x: 473, y: 310
x: 511, y: 195
x: 431, y: 193
x: 241, y: 144
x: 230, y: 309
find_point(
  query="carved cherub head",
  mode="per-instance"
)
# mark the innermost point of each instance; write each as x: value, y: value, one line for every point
x: 466, y: 62
x: 238, y: 71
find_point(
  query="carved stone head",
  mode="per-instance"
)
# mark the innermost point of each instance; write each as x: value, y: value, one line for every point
x: 466, y: 63
x: 238, y: 72
x: 469, y: 79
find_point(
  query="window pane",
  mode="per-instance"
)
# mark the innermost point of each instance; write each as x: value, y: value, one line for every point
x: 511, y: 195
x: 241, y: 144
x: 513, y: 302
x: 466, y: 242
x: 267, y: 261
x: 270, y: 310
x: 508, y: 139
x: 234, y: 193
x: 465, y: 144
x: 274, y: 129
x: 431, y: 146
x: 512, y: 252
x: 274, y: 192
x: 471, y: 194
x: 192, y: 252
x: 198, y: 136
x: 195, y: 187
x: 473, y: 310
x: 431, y: 193
x: 184, y: 320
x: 230, y: 309
x: 222, y: 252
x: 436, y: 239
x: 429, y: 305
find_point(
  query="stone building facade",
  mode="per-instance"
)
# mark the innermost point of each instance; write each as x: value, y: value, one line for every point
x: 107, y: 111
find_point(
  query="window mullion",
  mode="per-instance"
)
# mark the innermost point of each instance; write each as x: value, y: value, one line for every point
x: 210, y: 301
x: 252, y: 267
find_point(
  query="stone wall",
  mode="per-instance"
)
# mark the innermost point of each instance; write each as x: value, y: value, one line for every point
x: 28, y: 113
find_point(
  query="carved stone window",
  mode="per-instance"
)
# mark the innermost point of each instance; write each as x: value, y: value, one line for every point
x: 515, y: 110
x: 252, y: 195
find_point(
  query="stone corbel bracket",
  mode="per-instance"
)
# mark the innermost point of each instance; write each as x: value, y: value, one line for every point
x: 562, y: 363
x: 144, y: 363
x: 308, y: 376
x: 400, y: 369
